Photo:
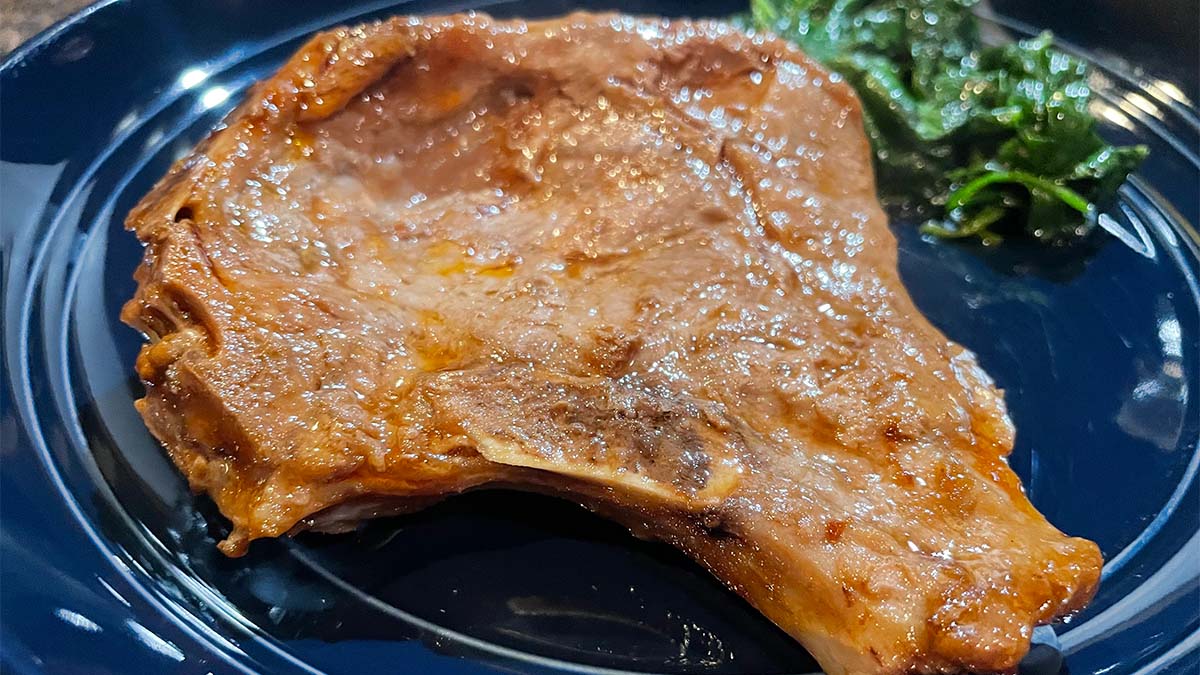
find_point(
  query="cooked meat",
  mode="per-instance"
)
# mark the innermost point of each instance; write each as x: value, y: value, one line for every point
x: 635, y: 263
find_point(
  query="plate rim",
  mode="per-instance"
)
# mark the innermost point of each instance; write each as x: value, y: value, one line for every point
x: 32, y: 49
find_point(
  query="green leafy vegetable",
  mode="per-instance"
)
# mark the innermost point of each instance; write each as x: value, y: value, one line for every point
x: 999, y: 138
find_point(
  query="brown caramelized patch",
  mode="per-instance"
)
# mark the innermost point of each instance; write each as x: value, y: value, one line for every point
x: 834, y: 530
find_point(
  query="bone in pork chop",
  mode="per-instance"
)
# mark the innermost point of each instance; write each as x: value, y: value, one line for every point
x: 636, y: 263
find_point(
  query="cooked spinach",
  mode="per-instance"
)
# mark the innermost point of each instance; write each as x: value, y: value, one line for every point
x: 997, y: 139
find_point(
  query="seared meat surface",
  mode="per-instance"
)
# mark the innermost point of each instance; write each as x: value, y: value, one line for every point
x: 636, y: 263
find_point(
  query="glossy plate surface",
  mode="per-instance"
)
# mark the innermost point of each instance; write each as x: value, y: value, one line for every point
x: 109, y: 563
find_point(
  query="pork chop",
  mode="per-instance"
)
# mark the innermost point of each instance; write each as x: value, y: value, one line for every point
x: 636, y: 263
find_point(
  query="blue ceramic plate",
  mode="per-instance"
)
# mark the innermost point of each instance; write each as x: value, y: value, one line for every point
x: 110, y: 565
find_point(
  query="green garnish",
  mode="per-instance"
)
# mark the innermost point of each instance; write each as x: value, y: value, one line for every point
x: 999, y: 139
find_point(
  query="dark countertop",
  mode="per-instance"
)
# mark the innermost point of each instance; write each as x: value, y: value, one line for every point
x: 22, y: 19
